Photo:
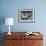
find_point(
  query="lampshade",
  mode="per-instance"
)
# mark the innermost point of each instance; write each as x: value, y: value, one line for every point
x: 9, y: 21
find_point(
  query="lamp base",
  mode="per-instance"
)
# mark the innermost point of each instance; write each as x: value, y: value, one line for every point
x: 9, y: 33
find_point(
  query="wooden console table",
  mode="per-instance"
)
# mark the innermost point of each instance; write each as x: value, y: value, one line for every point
x: 20, y: 39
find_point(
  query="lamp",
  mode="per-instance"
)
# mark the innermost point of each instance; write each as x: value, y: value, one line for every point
x: 9, y: 21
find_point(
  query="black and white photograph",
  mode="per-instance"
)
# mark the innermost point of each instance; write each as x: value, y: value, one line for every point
x: 26, y: 15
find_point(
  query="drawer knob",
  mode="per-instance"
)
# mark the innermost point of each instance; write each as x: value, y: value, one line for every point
x: 33, y: 42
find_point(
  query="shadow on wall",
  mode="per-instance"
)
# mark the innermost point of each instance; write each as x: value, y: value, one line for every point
x: 2, y: 21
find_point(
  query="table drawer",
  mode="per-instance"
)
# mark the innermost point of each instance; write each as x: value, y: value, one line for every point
x: 34, y: 37
x: 37, y: 43
x: 9, y: 42
x: 16, y: 37
x: 13, y: 43
x: 33, y: 43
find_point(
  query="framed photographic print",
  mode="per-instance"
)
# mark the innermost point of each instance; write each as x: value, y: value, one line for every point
x: 26, y: 15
